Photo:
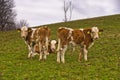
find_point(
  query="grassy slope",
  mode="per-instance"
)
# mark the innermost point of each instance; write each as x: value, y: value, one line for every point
x: 103, y: 58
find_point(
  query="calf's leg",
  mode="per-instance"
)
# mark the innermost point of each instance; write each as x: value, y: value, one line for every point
x: 30, y: 51
x: 40, y: 51
x: 80, y: 54
x: 58, y: 51
x: 63, y: 53
x: 85, y: 52
x: 58, y: 56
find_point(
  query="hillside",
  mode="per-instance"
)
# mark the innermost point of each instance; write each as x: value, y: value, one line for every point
x: 103, y: 58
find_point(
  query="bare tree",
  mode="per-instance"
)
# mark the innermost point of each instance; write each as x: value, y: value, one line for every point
x: 67, y: 8
x: 71, y: 8
x: 21, y: 23
x: 7, y: 15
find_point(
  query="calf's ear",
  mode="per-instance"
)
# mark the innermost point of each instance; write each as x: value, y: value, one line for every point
x: 19, y: 30
x: 87, y: 30
x: 100, y: 30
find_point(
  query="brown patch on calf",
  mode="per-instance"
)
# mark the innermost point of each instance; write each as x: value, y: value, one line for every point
x: 28, y: 38
x: 43, y: 32
x: 63, y: 35
x: 78, y: 36
x: 88, y: 39
x: 43, y: 39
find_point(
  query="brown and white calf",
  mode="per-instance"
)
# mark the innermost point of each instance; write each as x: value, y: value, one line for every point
x: 82, y: 37
x: 52, y: 46
x: 27, y: 34
x: 43, y: 41
x: 36, y: 36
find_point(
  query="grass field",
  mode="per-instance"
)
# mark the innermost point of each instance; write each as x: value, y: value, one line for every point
x: 103, y: 58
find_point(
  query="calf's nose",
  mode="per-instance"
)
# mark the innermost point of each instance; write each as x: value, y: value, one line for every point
x: 96, y: 37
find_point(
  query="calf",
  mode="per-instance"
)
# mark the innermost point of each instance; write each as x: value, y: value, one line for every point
x: 82, y: 37
x: 52, y: 46
x: 36, y: 39
x: 27, y: 34
x: 43, y: 41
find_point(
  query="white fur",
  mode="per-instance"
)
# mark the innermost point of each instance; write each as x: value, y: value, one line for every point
x: 32, y: 36
x: 29, y: 54
x: 53, y: 43
x: 58, y: 51
x: 94, y: 33
x: 69, y: 29
x: 66, y: 28
x: 58, y: 56
x: 85, y: 52
x: 58, y: 48
x: 81, y: 29
x: 46, y: 45
x: 40, y: 50
x: 70, y: 32
x: 24, y: 28
x: 24, y: 32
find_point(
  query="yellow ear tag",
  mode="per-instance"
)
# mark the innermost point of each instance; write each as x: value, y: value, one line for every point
x: 88, y: 32
x: 99, y: 32
x: 18, y: 31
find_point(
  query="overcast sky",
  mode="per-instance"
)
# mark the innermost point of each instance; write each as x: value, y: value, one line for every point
x: 40, y: 12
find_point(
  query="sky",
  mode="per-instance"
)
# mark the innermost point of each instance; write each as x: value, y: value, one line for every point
x: 42, y: 12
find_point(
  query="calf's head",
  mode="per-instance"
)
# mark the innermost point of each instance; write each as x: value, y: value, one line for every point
x: 24, y: 31
x: 95, y: 32
x: 53, y: 45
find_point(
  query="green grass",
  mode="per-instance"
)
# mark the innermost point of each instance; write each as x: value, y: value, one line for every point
x: 103, y: 58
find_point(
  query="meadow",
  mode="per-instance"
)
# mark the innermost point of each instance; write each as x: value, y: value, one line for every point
x: 103, y: 58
